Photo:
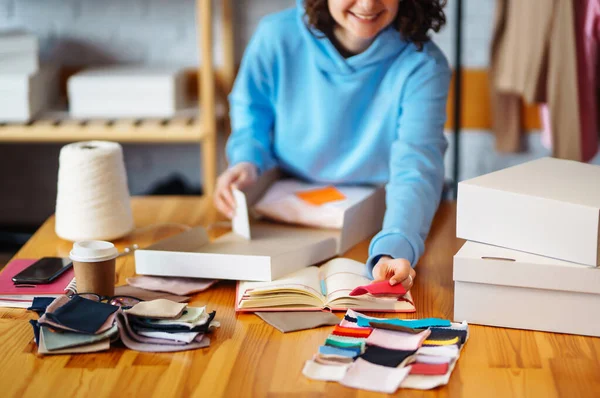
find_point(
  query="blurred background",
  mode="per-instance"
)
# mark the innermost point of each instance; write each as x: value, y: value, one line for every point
x: 75, y: 34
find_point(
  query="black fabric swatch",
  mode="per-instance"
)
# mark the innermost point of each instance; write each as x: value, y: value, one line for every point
x: 350, y: 319
x: 144, y: 323
x: 39, y: 304
x: 385, y: 356
x: 83, y: 315
x: 447, y: 334
x: 36, y: 331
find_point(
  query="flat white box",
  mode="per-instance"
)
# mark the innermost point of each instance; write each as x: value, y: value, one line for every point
x: 273, y: 251
x: 549, y: 207
x: 509, y: 288
x: 23, y: 96
x: 17, y: 41
x: 25, y: 63
x: 127, y: 91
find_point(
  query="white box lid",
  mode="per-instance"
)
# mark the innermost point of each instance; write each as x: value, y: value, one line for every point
x: 487, y: 264
x: 125, y: 79
x: 547, y: 178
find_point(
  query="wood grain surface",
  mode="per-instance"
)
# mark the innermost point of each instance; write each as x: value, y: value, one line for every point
x: 247, y: 357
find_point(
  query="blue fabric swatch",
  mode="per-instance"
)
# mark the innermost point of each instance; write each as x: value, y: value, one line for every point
x: 36, y: 331
x: 39, y: 304
x: 416, y: 324
x: 83, y: 315
x: 343, y: 352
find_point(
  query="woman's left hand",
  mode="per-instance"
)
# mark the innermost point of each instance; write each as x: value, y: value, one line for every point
x: 397, y: 270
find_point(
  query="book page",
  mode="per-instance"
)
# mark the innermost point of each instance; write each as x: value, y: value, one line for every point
x: 342, y: 275
x: 304, y: 281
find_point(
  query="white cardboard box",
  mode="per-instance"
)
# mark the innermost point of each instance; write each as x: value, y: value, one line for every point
x: 549, y: 207
x: 272, y: 250
x: 127, y: 91
x: 25, y: 63
x: 17, y: 41
x: 508, y: 288
x: 23, y: 96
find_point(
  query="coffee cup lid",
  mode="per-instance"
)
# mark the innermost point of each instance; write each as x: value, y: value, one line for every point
x: 93, y: 251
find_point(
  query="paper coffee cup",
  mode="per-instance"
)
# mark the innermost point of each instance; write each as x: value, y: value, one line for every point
x: 94, y: 265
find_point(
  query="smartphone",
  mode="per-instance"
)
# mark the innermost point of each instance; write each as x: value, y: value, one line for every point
x: 44, y: 270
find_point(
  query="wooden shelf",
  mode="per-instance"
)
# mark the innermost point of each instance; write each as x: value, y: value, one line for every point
x: 185, y: 127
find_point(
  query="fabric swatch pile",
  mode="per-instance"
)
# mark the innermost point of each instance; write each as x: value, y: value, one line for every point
x: 165, y: 326
x: 69, y: 325
x: 73, y: 325
x: 418, y: 354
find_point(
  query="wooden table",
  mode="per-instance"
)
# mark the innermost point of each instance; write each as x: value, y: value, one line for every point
x: 247, y: 357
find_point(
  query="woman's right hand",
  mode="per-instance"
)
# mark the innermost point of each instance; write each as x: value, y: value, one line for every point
x: 240, y: 176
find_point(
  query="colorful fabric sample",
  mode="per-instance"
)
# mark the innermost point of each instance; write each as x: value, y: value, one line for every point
x: 351, y: 332
x: 397, y: 340
x: 157, y: 309
x: 369, y: 376
x: 317, y: 371
x: 415, y: 324
x: 385, y: 357
x: 379, y: 288
x: 429, y: 369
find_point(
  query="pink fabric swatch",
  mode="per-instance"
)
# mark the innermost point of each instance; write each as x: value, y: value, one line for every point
x: 173, y: 285
x: 379, y: 288
x: 368, y: 376
x: 429, y: 369
x: 397, y: 340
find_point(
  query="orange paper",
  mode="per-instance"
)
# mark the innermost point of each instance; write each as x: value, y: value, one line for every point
x: 320, y: 196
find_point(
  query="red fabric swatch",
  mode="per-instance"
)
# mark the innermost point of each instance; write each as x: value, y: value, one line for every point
x: 429, y: 369
x: 379, y: 288
x: 351, y: 332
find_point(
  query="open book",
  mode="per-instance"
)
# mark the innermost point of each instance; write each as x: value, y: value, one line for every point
x: 318, y: 288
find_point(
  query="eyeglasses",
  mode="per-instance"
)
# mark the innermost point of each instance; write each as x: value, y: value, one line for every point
x: 119, y: 301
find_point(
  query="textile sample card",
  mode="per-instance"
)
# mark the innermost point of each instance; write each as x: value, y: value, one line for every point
x: 379, y: 288
x: 351, y: 332
x: 292, y: 321
x: 317, y: 371
x: 453, y: 341
x: 415, y: 324
x: 397, y: 340
x: 386, y: 357
x: 326, y: 350
x: 368, y: 376
x: 392, y: 346
x: 157, y: 309
x: 428, y: 369
x: 173, y: 285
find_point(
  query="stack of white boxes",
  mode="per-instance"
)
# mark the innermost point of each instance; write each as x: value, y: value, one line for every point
x: 26, y: 88
x: 127, y: 92
x: 533, y: 248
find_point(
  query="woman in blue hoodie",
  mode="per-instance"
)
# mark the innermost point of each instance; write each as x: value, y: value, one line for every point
x: 348, y: 92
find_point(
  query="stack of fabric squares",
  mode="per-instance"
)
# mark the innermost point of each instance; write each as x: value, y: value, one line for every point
x: 395, y: 353
x: 165, y: 326
x: 73, y: 325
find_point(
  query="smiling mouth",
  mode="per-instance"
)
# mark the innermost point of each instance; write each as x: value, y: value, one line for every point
x: 366, y: 17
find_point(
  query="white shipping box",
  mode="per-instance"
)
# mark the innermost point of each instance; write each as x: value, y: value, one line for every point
x: 509, y: 288
x: 127, y: 91
x: 259, y: 250
x: 25, y: 63
x: 17, y: 41
x: 23, y: 96
x: 549, y: 207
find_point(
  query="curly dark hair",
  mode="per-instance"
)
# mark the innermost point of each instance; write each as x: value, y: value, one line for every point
x: 414, y: 19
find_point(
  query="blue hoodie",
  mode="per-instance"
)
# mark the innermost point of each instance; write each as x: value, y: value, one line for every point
x: 373, y: 118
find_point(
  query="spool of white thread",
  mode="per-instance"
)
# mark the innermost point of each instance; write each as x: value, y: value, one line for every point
x: 93, y: 200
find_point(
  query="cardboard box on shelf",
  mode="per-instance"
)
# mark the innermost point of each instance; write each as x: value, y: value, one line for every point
x: 260, y: 250
x: 549, y: 207
x: 509, y: 288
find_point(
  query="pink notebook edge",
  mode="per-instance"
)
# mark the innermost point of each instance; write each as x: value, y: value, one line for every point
x: 15, y: 266
x: 309, y: 309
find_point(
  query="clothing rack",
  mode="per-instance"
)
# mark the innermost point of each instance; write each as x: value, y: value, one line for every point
x: 457, y: 96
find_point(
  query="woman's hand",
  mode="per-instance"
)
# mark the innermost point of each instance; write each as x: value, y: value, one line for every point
x: 239, y: 176
x: 397, y: 270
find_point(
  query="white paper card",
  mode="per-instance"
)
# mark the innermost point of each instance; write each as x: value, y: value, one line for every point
x: 241, y: 221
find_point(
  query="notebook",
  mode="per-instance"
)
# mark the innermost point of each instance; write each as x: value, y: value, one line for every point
x: 20, y: 296
x: 318, y: 288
